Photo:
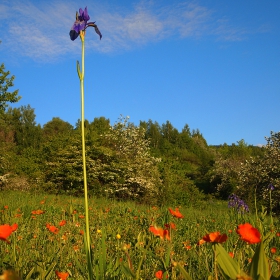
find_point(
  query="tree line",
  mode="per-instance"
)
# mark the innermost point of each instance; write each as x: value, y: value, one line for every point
x: 148, y: 162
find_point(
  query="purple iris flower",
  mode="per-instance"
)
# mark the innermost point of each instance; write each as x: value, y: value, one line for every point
x: 271, y: 187
x: 237, y: 204
x: 82, y: 24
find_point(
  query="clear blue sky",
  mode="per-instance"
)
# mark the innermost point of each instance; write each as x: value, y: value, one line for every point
x: 214, y: 65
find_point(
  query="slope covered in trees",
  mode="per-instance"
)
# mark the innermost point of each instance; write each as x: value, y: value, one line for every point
x: 148, y: 162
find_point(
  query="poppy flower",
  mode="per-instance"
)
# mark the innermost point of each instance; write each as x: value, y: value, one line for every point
x: 200, y: 242
x: 52, y: 229
x: 6, y: 231
x: 62, y: 223
x: 248, y: 233
x: 273, y: 250
x: 170, y: 225
x: 159, y: 274
x: 162, y: 233
x: 81, y: 24
x: 215, y: 237
x: 37, y: 212
x: 62, y: 275
x: 231, y: 254
x: 176, y: 213
x: 9, y: 274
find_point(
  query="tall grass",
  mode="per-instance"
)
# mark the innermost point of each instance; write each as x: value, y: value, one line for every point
x: 122, y: 245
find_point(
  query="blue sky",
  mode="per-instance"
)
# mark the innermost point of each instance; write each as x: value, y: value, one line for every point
x: 214, y: 65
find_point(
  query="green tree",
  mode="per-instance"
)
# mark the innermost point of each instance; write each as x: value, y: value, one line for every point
x: 257, y: 173
x: 5, y: 83
x: 133, y: 171
x: 56, y: 127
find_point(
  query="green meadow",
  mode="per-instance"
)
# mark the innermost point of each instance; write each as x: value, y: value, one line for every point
x: 122, y: 245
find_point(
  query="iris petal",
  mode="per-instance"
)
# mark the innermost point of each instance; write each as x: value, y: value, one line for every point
x: 73, y: 35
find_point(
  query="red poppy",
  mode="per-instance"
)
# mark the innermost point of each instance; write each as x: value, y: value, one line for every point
x: 162, y: 233
x: 62, y: 275
x: 6, y: 231
x: 231, y: 254
x: 62, y: 223
x: 37, y: 212
x: 170, y: 225
x: 215, y: 237
x: 159, y: 274
x: 52, y: 229
x: 176, y: 213
x: 248, y: 233
x: 273, y: 250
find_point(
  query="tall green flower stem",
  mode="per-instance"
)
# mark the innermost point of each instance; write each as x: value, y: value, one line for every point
x: 81, y: 74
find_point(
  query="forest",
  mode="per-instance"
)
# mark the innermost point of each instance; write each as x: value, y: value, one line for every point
x: 148, y: 162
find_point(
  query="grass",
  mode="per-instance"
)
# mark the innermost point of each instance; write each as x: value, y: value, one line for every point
x: 122, y: 245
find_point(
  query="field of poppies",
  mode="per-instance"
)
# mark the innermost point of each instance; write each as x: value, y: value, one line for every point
x: 42, y: 237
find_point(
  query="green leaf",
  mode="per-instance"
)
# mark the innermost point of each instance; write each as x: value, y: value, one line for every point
x: 184, y: 272
x: 78, y: 70
x: 227, y: 264
x: 259, y: 268
x: 127, y: 271
x: 29, y: 275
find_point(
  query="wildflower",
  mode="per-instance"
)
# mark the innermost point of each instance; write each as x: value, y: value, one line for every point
x: 200, y: 242
x: 118, y: 236
x: 62, y: 275
x: 162, y: 233
x: 52, y: 229
x: 6, y: 207
x: 170, y: 225
x: 159, y: 274
x: 64, y: 237
x: 81, y: 24
x: 9, y: 275
x: 215, y: 237
x: 273, y: 250
x: 6, y: 231
x: 81, y: 216
x: 62, y: 223
x: 270, y: 187
x: 37, y: 212
x: 237, y: 204
x: 98, y: 231
x: 76, y: 248
x: 278, y: 234
x: 126, y: 247
x: 82, y: 232
x: 248, y: 233
x: 231, y: 254
x: 176, y: 213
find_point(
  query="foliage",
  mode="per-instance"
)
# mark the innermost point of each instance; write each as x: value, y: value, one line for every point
x: 228, y: 162
x: 134, y: 171
x: 256, y: 174
x: 5, y: 83
x: 50, y: 238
